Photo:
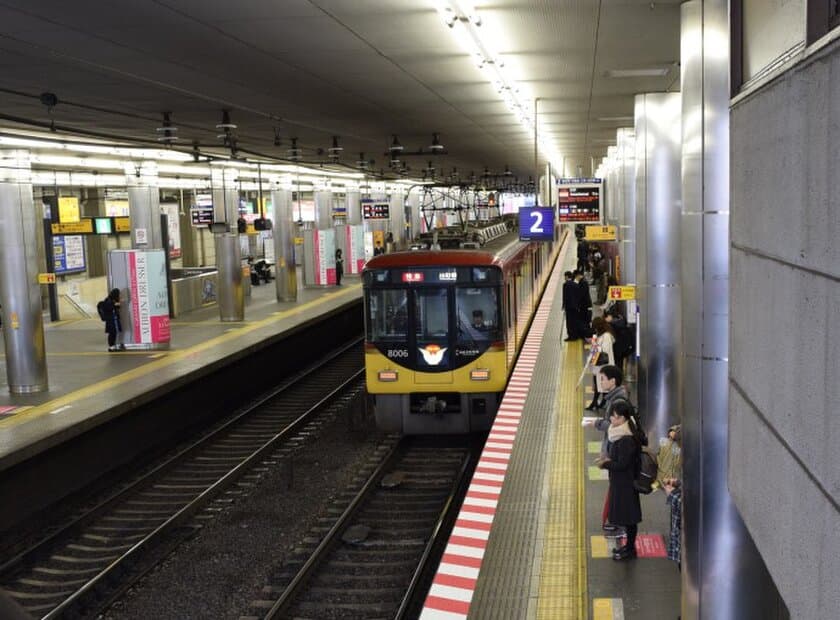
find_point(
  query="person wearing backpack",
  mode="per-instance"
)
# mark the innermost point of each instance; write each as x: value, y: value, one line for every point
x: 109, y: 311
x: 622, y: 462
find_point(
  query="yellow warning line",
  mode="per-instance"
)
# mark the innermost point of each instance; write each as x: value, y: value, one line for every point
x: 562, y: 588
x: 172, y: 358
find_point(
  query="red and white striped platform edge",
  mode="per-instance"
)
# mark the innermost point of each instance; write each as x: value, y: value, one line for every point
x: 454, y: 584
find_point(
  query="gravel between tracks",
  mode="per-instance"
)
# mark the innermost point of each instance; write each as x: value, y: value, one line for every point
x: 224, y: 567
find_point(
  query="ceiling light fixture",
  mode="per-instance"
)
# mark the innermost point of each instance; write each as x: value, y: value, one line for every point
x: 167, y: 130
x: 294, y: 152
x: 638, y: 73
x: 465, y: 23
x: 395, y: 147
x: 436, y: 146
x: 335, y: 149
x: 277, y: 141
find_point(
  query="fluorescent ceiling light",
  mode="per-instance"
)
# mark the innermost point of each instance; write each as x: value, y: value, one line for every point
x: 638, y: 73
x: 615, y: 119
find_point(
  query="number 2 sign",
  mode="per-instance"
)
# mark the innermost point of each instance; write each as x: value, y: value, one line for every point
x: 536, y: 224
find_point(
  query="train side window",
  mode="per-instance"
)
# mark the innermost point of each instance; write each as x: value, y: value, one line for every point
x: 388, y: 314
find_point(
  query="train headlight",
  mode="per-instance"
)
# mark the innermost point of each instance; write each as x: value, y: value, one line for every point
x: 480, y: 374
x: 387, y: 375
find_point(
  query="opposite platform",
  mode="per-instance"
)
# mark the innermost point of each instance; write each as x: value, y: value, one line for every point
x: 90, y: 386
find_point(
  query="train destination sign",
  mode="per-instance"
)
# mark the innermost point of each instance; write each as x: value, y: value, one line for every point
x: 536, y: 223
x: 579, y: 200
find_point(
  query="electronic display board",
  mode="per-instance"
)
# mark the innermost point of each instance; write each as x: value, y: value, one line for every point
x: 579, y: 200
x: 376, y: 210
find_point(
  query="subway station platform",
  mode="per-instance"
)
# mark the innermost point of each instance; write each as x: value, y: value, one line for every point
x: 528, y: 541
x: 89, y: 386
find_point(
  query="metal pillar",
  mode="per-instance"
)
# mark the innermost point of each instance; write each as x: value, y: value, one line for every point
x: 723, y: 577
x: 20, y: 293
x: 354, y: 207
x: 323, y: 209
x: 626, y: 141
x: 229, y: 290
x: 144, y: 205
x: 414, y: 206
x: 397, y: 210
x: 658, y: 192
x: 284, y: 250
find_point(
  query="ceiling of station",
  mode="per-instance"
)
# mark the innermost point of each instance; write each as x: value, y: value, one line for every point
x: 362, y: 70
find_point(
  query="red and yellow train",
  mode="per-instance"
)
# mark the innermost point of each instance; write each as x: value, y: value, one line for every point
x: 443, y: 327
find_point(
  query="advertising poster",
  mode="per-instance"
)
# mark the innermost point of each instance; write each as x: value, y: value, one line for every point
x: 170, y: 209
x: 149, y: 304
x: 355, y: 244
x: 324, y: 256
x: 69, y: 254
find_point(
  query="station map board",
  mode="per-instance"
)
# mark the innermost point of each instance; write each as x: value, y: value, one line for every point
x: 579, y: 200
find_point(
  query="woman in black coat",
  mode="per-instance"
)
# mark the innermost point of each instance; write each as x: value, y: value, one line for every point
x: 622, y: 462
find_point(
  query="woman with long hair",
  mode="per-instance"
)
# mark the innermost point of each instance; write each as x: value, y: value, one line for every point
x: 604, y: 341
x: 622, y: 462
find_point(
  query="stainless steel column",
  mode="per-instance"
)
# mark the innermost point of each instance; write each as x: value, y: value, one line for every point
x: 414, y: 208
x: 397, y: 209
x: 230, y: 294
x: 354, y: 207
x: 723, y: 577
x: 284, y: 250
x: 20, y: 293
x: 323, y: 209
x: 658, y: 192
x: 626, y: 142
x: 144, y: 205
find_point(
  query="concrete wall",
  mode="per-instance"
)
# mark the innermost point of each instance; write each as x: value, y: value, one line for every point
x: 784, y: 391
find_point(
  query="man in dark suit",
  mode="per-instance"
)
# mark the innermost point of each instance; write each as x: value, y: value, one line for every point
x: 584, y: 306
x: 571, y: 304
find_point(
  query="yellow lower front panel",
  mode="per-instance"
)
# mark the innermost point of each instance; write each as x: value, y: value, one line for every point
x: 408, y: 381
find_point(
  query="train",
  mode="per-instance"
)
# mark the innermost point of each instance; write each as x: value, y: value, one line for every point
x: 443, y: 327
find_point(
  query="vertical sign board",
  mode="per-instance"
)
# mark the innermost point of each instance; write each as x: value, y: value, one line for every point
x: 536, y: 224
x: 579, y: 200
x: 170, y: 209
x: 68, y: 209
x: 149, y: 303
x: 324, y: 256
x: 69, y: 254
x: 354, y: 242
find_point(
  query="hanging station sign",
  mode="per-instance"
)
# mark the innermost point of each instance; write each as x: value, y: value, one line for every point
x: 579, y: 200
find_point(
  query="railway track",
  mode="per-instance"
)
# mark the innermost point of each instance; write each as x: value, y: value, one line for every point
x: 86, y: 564
x: 371, y: 562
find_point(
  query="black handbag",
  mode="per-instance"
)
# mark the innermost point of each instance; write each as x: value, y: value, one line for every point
x: 602, y: 359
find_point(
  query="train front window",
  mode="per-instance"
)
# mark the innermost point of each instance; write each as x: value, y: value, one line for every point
x: 387, y: 314
x: 477, y: 310
x: 432, y: 314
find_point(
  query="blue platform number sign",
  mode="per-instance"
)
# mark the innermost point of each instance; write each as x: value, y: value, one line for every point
x: 536, y: 224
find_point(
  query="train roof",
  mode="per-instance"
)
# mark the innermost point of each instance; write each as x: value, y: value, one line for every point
x: 493, y: 253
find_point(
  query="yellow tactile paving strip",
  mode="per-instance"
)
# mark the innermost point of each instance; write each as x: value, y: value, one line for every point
x: 562, y: 589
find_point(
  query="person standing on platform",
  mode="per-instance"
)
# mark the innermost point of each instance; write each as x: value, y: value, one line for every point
x: 378, y: 249
x: 113, y: 325
x: 584, y: 304
x: 571, y: 301
x: 604, y: 345
x: 622, y: 462
x: 339, y: 267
